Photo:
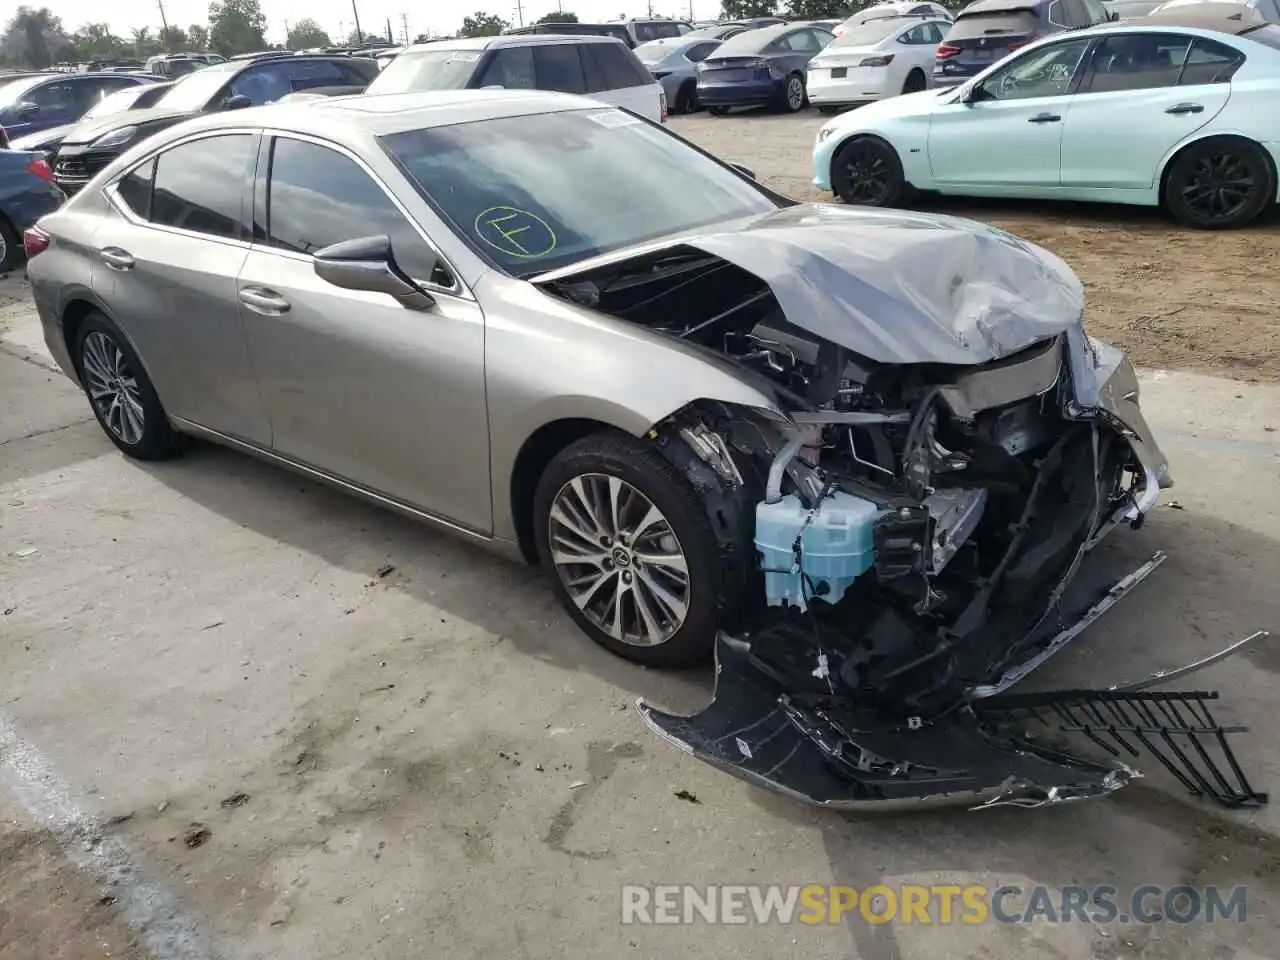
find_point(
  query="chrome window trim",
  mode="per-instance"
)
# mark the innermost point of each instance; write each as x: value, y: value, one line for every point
x: 458, y: 289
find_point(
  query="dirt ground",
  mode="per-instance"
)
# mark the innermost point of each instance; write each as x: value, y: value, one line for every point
x: 1172, y: 298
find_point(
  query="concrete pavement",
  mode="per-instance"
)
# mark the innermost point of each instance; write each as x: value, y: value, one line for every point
x: 436, y: 763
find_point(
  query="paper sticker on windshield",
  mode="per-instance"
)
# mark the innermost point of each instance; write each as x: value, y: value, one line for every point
x: 613, y: 118
x: 515, y: 233
x: 463, y: 58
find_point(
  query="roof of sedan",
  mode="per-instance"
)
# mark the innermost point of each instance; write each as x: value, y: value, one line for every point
x: 1232, y: 18
x: 393, y: 112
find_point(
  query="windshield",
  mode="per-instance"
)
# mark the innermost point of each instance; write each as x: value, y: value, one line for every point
x: 427, y: 70
x: 196, y: 89
x: 866, y: 34
x: 539, y: 192
x: 11, y: 91
x: 116, y: 102
x: 1268, y: 35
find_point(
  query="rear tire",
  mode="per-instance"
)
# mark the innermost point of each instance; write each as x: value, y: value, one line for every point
x: 866, y: 172
x: 10, y: 246
x: 794, y: 98
x: 1219, y: 184
x: 916, y: 81
x: 596, y: 555
x: 121, y: 394
x: 687, y: 97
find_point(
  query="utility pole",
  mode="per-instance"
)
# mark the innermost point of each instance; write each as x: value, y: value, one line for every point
x: 355, y: 12
x: 519, y: 14
x: 286, y: 35
x: 164, y: 24
x: 404, y: 26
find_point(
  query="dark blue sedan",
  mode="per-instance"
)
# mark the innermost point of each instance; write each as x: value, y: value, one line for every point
x: 38, y: 101
x: 764, y: 67
x: 27, y: 193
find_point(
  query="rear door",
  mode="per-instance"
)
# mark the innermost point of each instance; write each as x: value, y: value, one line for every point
x: 1143, y: 94
x: 1011, y: 138
x: 167, y: 265
x: 45, y: 105
x: 614, y: 75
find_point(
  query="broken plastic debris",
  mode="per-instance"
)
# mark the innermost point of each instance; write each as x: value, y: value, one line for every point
x: 742, y: 747
x: 576, y: 784
x: 823, y: 671
x: 26, y: 552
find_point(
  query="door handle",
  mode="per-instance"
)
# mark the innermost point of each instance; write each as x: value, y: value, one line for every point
x: 1044, y: 118
x: 1181, y: 108
x: 116, y: 259
x: 266, y: 302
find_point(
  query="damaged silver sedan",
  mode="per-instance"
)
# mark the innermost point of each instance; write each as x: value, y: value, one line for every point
x: 858, y: 457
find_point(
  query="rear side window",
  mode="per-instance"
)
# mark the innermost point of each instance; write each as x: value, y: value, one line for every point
x: 559, y: 68
x: 1095, y: 11
x: 198, y: 184
x: 135, y: 188
x: 1210, y: 62
x: 700, y: 51
x: 655, y: 31
x: 510, y: 67
x: 612, y: 67
x: 1136, y: 61
x: 1058, y: 14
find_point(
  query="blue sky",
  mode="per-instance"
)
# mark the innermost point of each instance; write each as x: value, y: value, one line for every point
x: 439, y: 16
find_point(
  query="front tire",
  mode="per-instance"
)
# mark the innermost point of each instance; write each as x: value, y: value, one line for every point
x: 10, y: 246
x: 1219, y: 184
x: 121, y: 394
x: 630, y: 550
x: 866, y: 172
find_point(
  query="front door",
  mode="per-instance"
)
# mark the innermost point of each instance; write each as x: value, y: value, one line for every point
x: 1145, y: 93
x: 167, y: 269
x: 382, y: 396
x: 1009, y: 136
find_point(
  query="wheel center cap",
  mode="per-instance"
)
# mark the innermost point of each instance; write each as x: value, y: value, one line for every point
x: 621, y: 557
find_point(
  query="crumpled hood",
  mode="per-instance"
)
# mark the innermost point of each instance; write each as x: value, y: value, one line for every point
x: 86, y: 131
x: 904, y: 287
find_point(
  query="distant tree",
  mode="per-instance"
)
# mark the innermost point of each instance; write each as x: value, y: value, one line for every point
x: 198, y: 38
x: 358, y: 38
x: 33, y: 38
x: 306, y: 34
x: 173, y: 39
x: 558, y: 16
x: 823, y: 9
x: 95, y: 41
x: 237, y: 26
x: 481, y: 24
x: 742, y: 9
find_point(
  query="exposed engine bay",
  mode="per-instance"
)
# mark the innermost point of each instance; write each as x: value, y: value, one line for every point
x: 918, y: 533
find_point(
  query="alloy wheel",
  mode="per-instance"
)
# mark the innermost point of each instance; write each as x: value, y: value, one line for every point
x: 619, y: 559
x: 1219, y: 187
x: 869, y: 175
x: 795, y: 93
x: 113, y: 388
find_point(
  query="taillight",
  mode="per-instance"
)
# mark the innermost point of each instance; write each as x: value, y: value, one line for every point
x: 34, y: 240
x: 662, y: 106
x: 1017, y: 46
x: 881, y: 61
x: 946, y: 50
x: 4, y: 139
x: 40, y: 167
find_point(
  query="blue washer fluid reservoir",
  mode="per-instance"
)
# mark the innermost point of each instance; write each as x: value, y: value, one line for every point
x: 836, y: 547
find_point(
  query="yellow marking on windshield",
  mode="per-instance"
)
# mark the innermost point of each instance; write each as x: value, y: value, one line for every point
x: 515, y: 233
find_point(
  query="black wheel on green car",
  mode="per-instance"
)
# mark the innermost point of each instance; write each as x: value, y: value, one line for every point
x: 866, y: 172
x: 1219, y: 183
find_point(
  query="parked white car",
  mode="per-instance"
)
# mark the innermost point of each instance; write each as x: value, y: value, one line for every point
x: 874, y: 61
x: 896, y: 8
x: 602, y: 68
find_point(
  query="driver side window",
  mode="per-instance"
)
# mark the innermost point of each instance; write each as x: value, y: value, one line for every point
x: 1046, y: 72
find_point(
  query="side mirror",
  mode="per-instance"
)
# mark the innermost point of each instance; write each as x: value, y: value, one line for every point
x: 367, y: 263
x: 745, y: 171
x: 27, y: 109
x: 237, y: 102
x: 974, y: 94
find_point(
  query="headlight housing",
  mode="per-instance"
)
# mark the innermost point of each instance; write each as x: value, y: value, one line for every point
x: 116, y: 138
